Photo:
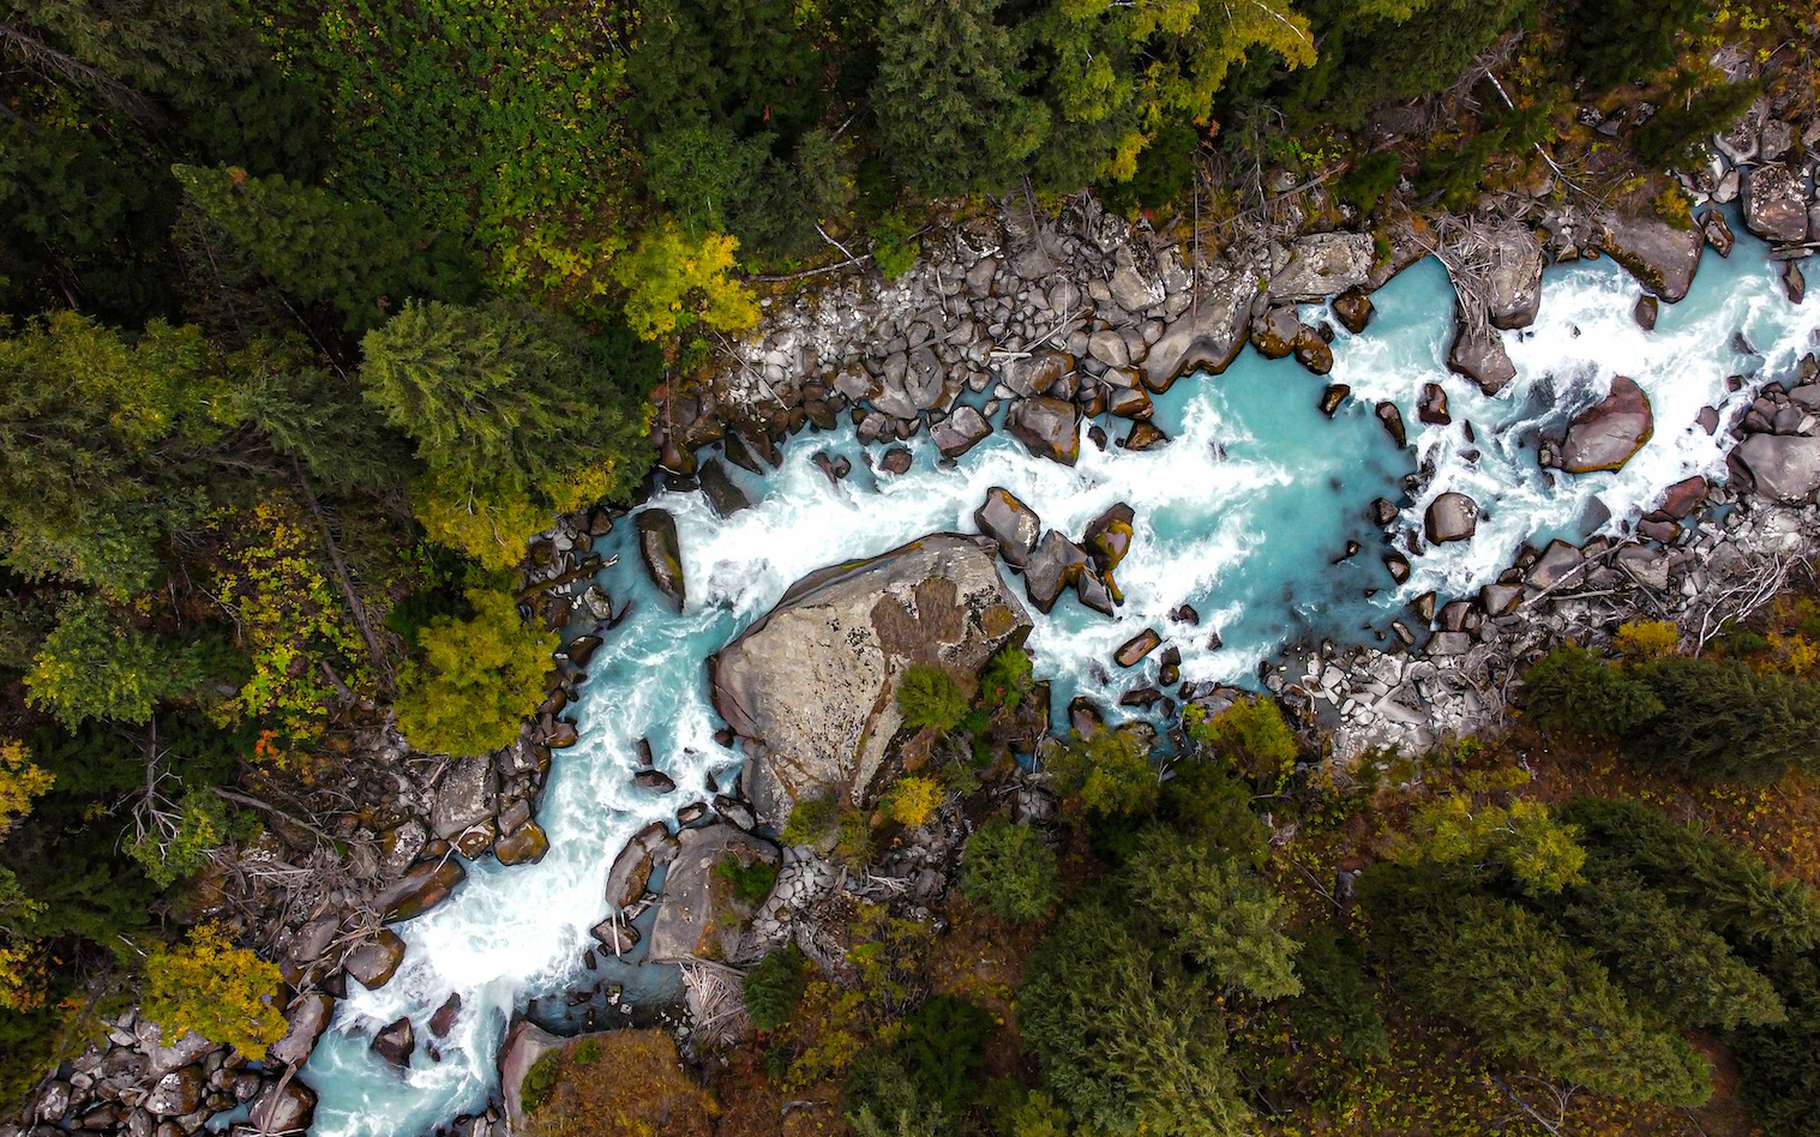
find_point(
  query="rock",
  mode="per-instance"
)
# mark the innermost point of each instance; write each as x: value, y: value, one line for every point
x: 896, y: 461
x: 1605, y: 435
x: 1207, y: 337
x: 659, y: 549
x: 525, y: 845
x: 1130, y: 402
x: 466, y: 796
x: 734, y: 812
x: 648, y: 849
x: 1784, y: 467
x: 1775, y: 204
x: 960, y: 431
x: 187, y: 1050
x: 443, y: 1021
x: 1514, y: 284
x: 307, y: 1018
x: 1478, y: 353
x: 1451, y: 517
x: 1312, y: 352
x: 1500, y: 599
x: 1558, y: 561
x: 1683, y: 497
x: 1392, y: 420
x: 1794, y: 285
x: 395, y: 1042
x: 1274, y: 330
x: 1353, y: 309
x: 811, y: 687
x: 1108, y: 536
x: 1048, y: 428
x: 723, y: 496
x: 616, y: 936
x: 1054, y: 565
x: 1718, y: 232
x: 691, y: 921
x: 1322, y: 264
x: 1433, y: 407
x: 1332, y: 396
x: 1398, y: 564
x: 1010, y: 523
x: 284, y: 1107
x: 1037, y: 372
x: 525, y: 1043
x: 654, y: 780
x: 176, y: 1093
x: 1137, y: 647
x: 1144, y: 436
x: 1108, y: 347
x: 376, y: 960
x: 1645, y: 312
x: 1382, y: 511
x: 1661, y: 257
x: 423, y: 886
x: 1084, y: 716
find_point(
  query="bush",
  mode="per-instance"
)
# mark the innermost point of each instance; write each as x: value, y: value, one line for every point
x: 1006, y: 681
x: 942, y: 1047
x: 1010, y: 870
x: 929, y: 697
x: 224, y: 993
x: 751, y: 882
x: 1106, y: 774
x: 540, y: 1080
x: 1338, y: 1007
x: 1370, y: 180
x: 478, y: 681
x: 894, y: 245
x: 774, y: 988
x: 1571, y: 689
x: 1647, y: 639
x: 1251, y: 734
x: 811, y: 821
x: 913, y: 800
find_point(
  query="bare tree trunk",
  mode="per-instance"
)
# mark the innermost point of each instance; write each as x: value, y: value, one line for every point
x: 382, y: 664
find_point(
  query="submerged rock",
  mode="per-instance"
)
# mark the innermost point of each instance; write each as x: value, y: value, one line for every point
x: 811, y: 687
x: 1332, y: 396
x: 1605, y: 435
x: 1514, y: 284
x: 662, y: 553
x: 1392, y: 420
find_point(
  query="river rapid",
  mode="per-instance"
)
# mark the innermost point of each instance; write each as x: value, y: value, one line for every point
x: 1241, y: 515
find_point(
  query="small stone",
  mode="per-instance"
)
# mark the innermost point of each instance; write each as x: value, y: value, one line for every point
x: 1332, y: 396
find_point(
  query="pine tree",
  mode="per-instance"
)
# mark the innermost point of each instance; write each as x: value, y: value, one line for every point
x: 1724, y: 722
x: 1204, y: 905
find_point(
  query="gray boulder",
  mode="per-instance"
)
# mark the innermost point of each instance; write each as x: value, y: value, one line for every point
x: 811, y: 687
x: 1451, y: 517
x: 1207, y: 337
x: 1011, y: 523
x: 697, y: 917
x: 1605, y: 435
x: 1515, y: 280
x: 1661, y: 257
x: 283, y: 1107
x: 1048, y: 428
x: 1478, y: 353
x: 1785, y: 467
x: 467, y: 796
x: 960, y: 431
x: 1321, y: 265
x: 659, y: 548
x: 1775, y: 206
x: 307, y: 1018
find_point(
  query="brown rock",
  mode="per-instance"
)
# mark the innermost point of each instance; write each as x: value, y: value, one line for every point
x: 376, y: 960
x: 1010, y: 523
x: 1048, y: 428
x: 1605, y: 435
x: 662, y: 554
x: 1353, y: 309
x: 525, y: 845
x: 1137, y: 647
x: 1433, y: 407
x: 1451, y: 517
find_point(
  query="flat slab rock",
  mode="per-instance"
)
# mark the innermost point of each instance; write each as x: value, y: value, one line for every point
x: 811, y: 687
x: 688, y: 925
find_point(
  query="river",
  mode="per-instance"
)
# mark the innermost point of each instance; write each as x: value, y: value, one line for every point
x: 1240, y: 515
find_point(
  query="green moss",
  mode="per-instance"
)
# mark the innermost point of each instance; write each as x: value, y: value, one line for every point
x: 540, y: 1081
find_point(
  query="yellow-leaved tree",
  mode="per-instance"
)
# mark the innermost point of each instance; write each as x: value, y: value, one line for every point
x: 674, y: 281
x: 224, y: 993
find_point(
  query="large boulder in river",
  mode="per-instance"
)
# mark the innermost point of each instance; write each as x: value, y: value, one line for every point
x: 283, y: 1106
x: 1011, y: 523
x: 1785, y: 467
x: 1321, y: 265
x: 1514, y: 284
x: 1606, y: 434
x: 1048, y: 428
x: 662, y: 553
x: 525, y: 1043
x: 1478, y: 353
x: 1775, y: 205
x: 1451, y: 517
x: 960, y: 431
x: 1207, y: 337
x: 1662, y: 257
x: 811, y: 687
x: 698, y: 916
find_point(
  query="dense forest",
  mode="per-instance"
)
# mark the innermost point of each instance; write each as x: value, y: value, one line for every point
x: 317, y: 314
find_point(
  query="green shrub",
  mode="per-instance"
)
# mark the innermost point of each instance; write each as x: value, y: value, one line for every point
x: 1251, y: 734
x: 1571, y: 689
x: 894, y: 245
x: 1006, y: 681
x: 1203, y: 800
x: 540, y: 1080
x: 942, y: 1047
x: 1338, y: 1007
x: 1009, y: 870
x: 1106, y: 774
x: 751, y: 882
x: 774, y: 988
x: 811, y: 821
x: 1370, y: 180
x: 929, y: 697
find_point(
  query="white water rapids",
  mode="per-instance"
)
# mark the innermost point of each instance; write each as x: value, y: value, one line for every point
x: 1240, y: 515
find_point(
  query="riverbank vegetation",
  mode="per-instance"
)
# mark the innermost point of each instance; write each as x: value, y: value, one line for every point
x: 315, y: 313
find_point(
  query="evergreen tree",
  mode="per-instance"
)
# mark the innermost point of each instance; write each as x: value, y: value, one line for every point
x: 1205, y: 906
x: 1572, y: 689
x: 1621, y: 41
x: 1724, y: 722
x: 1010, y: 870
x: 1526, y: 992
